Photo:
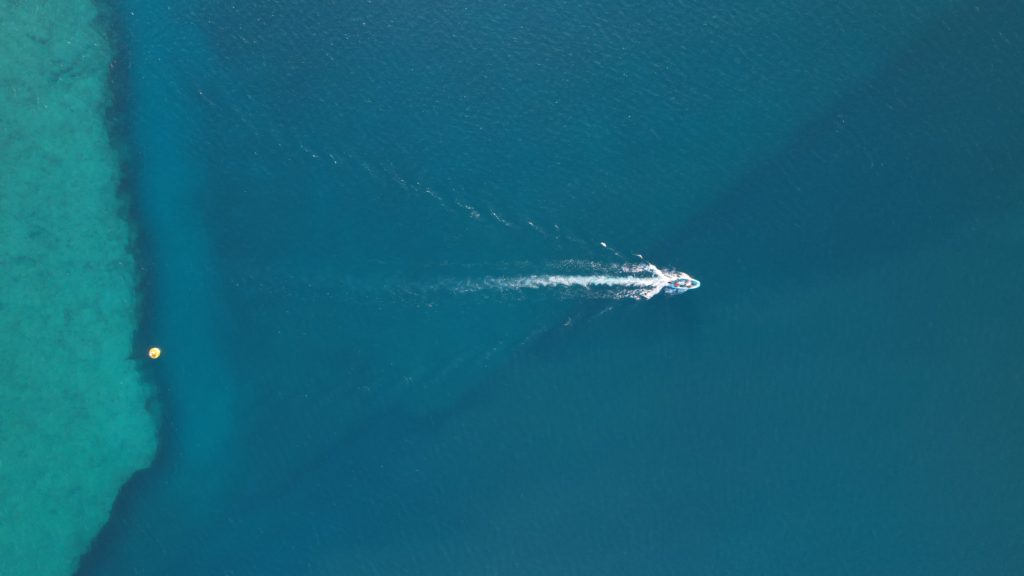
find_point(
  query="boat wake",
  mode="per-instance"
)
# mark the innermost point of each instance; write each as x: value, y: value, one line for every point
x: 568, y: 279
x: 638, y: 282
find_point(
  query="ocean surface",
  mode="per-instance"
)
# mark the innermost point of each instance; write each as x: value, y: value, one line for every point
x: 338, y: 203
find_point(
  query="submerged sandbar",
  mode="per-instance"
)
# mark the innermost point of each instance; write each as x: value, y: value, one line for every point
x: 73, y: 419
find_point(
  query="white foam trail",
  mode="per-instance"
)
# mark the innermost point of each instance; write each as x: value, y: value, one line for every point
x: 582, y: 281
x: 634, y: 281
x: 644, y: 267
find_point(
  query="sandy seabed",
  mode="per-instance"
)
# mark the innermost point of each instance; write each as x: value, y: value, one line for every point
x: 73, y: 419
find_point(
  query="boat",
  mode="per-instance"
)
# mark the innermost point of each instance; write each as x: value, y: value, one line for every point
x: 681, y: 283
x: 671, y: 283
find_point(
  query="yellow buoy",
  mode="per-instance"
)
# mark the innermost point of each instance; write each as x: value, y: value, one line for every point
x: 154, y: 353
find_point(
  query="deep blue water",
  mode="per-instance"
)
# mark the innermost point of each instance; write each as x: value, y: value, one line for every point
x: 315, y: 179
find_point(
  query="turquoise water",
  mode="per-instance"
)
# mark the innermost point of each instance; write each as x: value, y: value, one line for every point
x: 324, y: 189
x: 76, y: 419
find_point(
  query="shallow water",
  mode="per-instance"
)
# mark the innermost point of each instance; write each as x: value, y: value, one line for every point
x: 74, y: 419
x: 316, y: 182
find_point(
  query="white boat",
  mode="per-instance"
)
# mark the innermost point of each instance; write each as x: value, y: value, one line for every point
x: 672, y: 283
